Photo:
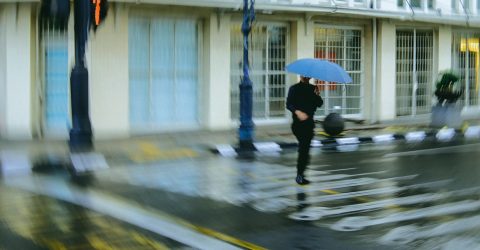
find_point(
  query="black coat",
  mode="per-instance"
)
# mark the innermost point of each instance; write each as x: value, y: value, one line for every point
x: 301, y: 96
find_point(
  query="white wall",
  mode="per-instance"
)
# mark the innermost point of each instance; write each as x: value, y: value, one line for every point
x: 18, y: 71
x: 444, y: 6
x: 108, y: 69
x: 217, y: 68
x: 388, y: 5
x: 386, y: 71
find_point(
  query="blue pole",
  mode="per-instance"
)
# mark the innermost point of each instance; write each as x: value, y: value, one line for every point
x: 81, y: 132
x: 246, y: 129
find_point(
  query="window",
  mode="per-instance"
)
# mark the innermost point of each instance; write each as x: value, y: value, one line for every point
x: 416, y: 3
x: 344, y: 47
x: 54, y: 55
x: 163, y: 72
x: 268, y: 55
x: 466, y: 62
x: 414, y: 69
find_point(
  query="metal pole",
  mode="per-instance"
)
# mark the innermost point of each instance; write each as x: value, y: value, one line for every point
x: 246, y: 129
x: 81, y: 132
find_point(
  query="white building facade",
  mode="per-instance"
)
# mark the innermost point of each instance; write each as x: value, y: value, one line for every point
x: 157, y: 66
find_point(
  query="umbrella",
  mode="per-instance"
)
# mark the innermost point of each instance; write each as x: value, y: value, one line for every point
x: 319, y: 69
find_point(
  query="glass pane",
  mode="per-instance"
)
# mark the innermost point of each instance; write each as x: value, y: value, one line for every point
x: 276, y: 76
x: 55, y: 45
x: 414, y: 63
x: 267, y: 54
x: 162, y: 104
x: 404, y: 74
x: 163, y: 72
x: 186, y: 70
x: 430, y: 4
x: 424, y: 69
x: 139, y: 70
x: 416, y: 3
x: 466, y: 62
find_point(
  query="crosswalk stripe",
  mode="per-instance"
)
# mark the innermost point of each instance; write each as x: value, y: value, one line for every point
x: 286, y: 180
x: 359, y: 222
x: 316, y: 213
x: 407, y: 234
x: 278, y: 204
x: 326, y: 185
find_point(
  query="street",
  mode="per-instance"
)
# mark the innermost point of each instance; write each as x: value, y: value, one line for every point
x: 394, y: 195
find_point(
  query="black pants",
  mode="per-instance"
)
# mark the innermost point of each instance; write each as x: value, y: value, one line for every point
x: 304, y: 133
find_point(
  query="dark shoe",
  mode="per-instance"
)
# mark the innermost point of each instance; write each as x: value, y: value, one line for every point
x: 301, y: 180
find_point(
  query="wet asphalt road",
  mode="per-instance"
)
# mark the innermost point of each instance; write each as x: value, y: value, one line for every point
x: 397, y: 196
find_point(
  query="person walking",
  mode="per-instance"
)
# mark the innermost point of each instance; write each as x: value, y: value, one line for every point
x: 303, y: 100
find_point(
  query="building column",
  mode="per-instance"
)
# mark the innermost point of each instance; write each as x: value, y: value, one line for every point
x: 17, y: 123
x: 444, y: 48
x: 3, y: 62
x: 217, y: 72
x: 473, y: 7
x: 386, y: 71
x: 302, y: 40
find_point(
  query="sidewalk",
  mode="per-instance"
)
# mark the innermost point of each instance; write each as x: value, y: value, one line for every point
x: 194, y: 144
x: 199, y: 140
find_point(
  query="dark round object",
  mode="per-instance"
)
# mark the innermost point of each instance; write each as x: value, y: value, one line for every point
x: 333, y: 124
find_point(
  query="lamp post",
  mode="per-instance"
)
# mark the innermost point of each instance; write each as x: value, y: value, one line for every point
x: 246, y: 129
x: 80, y: 143
x: 81, y: 132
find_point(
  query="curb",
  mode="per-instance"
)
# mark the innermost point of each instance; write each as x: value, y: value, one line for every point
x: 442, y: 135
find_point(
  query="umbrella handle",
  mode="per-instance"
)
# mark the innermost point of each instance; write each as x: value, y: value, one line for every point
x: 317, y: 89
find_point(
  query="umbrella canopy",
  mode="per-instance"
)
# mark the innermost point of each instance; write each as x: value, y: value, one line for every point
x: 319, y: 69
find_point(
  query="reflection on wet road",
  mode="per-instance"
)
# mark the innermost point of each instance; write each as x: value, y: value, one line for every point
x: 397, y: 195
x: 46, y: 223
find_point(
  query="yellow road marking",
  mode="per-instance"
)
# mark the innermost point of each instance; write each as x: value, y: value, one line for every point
x: 148, y: 242
x: 98, y: 243
x: 328, y: 135
x: 200, y: 229
x: 52, y: 244
x: 122, y: 233
x: 151, y: 152
x: 227, y: 238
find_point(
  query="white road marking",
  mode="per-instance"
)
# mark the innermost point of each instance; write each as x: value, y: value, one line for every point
x: 407, y: 234
x: 360, y: 222
x: 434, y: 151
x: 287, y: 180
x: 316, y: 213
x: 292, y: 190
x: 281, y: 203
